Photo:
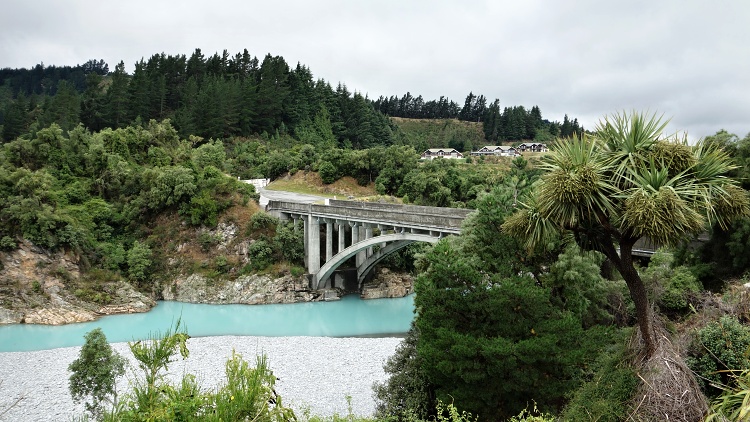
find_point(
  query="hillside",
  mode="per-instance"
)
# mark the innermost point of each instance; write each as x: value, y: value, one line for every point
x: 439, y: 133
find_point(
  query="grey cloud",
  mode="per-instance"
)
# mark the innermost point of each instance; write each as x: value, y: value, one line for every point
x: 686, y: 59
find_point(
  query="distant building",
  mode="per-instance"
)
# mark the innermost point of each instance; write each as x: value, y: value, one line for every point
x: 532, y: 147
x: 433, y: 153
x: 498, y: 150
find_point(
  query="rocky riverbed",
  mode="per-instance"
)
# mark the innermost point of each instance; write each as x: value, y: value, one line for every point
x: 316, y: 374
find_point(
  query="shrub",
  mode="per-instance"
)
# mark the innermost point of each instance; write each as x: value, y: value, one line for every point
x: 201, y: 210
x: 406, y: 392
x: 222, y: 265
x: 297, y: 271
x: 450, y: 413
x: 262, y: 220
x: 290, y: 243
x: 533, y: 415
x: 7, y: 243
x: 261, y: 254
x: 680, y: 285
x: 139, y: 261
x: 207, y: 241
x: 112, y: 255
x: 247, y: 395
x: 95, y: 372
x: 327, y: 172
x: 605, y: 395
x: 62, y: 273
x: 671, y: 286
x: 719, y: 347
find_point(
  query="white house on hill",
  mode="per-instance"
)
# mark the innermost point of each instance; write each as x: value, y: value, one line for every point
x: 433, y: 153
x: 500, y: 150
x: 532, y: 147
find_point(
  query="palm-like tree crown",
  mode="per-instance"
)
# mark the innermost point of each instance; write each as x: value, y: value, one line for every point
x: 629, y: 181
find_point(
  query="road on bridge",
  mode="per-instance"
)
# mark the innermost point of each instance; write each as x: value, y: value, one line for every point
x: 278, y: 195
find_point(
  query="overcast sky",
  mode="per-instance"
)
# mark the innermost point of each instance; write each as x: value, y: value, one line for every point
x: 689, y: 60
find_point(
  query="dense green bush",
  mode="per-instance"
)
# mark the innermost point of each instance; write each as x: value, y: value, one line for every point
x: 202, y: 210
x: 7, y: 243
x: 608, y: 387
x: 493, y: 343
x: 406, y: 394
x: 671, y: 286
x: 139, y: 261
x: 327, y: 172
x: 290, y: 243
x: 262, y: 220
x: 678, y: 289
x: 719, y: 347
x: 261, y: 254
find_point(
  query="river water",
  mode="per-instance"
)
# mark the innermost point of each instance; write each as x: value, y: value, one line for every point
x: 347, y: 317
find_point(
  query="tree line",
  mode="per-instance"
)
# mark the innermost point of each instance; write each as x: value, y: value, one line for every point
x: 211, y: 97
x: 223, y: 95
x: 509, y: 124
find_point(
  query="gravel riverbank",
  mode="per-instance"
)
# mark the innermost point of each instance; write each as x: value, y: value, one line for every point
x: 315, y: 373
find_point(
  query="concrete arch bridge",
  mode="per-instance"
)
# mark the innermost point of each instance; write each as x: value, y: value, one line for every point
x: 369, y: 231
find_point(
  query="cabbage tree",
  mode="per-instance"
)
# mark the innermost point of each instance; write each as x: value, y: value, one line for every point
x: 626, y: 182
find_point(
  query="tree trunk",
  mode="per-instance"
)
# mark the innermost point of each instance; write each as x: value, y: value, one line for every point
x: 637, y: 293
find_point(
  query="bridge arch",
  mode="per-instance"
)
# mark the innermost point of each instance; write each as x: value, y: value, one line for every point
x: 395, y: 242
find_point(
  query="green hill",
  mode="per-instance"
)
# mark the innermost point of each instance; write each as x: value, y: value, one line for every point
x: 439, y: 133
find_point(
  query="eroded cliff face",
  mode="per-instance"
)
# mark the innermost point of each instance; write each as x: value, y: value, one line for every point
x: 39, y: 287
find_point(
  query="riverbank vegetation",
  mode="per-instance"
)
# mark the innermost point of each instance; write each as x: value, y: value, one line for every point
x: 137, y: 178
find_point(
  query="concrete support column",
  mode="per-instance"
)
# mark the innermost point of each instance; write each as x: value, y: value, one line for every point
x: 342, y: 236
x: 368, y: 234
x: 357, y: 234
x: 313, y: 244
x: 329, y: 239
x: 305, y: 237
x: 382, y: 231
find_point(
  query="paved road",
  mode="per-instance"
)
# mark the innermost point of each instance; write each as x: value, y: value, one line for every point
x: 277, y: 195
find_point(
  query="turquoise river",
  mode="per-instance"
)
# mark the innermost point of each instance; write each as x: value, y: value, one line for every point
x: 347, y: 317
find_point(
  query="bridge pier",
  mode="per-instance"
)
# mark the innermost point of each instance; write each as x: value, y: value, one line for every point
x: 312, y: 243
x: 342, y: 235
x: 368, y: 235
x: 329, y: 239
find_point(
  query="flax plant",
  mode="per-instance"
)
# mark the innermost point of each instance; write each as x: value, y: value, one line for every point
x: 625, y: 182
x: 734, y: 403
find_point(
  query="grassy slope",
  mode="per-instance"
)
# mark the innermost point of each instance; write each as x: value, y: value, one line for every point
x: 438, y: 133
x: 310, y: 183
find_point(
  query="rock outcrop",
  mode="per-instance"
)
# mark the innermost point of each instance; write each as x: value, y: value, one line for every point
x: 248, y: 289
x: 41, y: 287
x: 387, y: 284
